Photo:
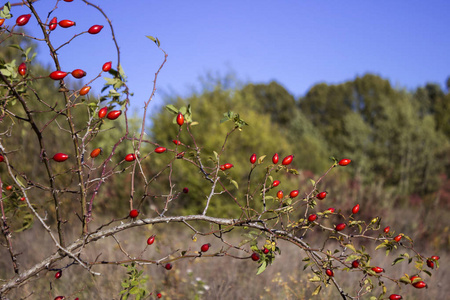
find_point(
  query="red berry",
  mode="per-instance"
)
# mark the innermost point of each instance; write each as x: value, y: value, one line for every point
x: 58, y: 274
x: 53, y: 24
x: 205, y: 247
x: 412, y: 278
x: 60, y: 298
x: 435, y: 257
x: 106, y: 66
x: 60, y: 157
x: 228, y: 166
x: 395, y: 297
x: 420, y: 285
x: 151, y: 240
x: 185, y: 190
x: 340, y: 226
x: 255, y: 256
x: 134, y: 213
x: 222, y: 167
x: 331, y: 209
x: 430, y: 264
x: 280, y: 194
x: 102, y: 112
x: 398, y: 238
x: 130, y: 157
x: 23, y: 20
x: 66, y: 23
x: 176, y: 142
x: 68, y: 0
x: 276, y: 183
x: 329, y: 272
x: 312, y: 218
x: 58, y: 75
x: 180, y: 119
x: 114, y: 114
x: 344, y: 162
x: 386, y: 229
x: 377, y: 269
x: 275, y: 158
x: 160, y: 150
x: 355, y: 209
x: 321, y: 195
x: 22, y: 69
x: 293, y: 193
x: 95, y: 29
x: 287, y: 160
x: 96, y: 152
x: 168, y: 266
x: 355, y: 264
x: 253, y: 158
x: 22, y: 199
x: 9, y: 187
x: 2, y: 159
x: 159, y: 295
x: 265, y: 250
x: 2, y: 21
x: 84, y: 90
x: 78, y: 73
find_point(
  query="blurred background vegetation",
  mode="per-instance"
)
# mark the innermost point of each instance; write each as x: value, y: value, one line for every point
x: 398, y: 140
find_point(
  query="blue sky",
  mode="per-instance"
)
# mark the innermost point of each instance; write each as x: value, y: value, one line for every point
x: 297, y: 43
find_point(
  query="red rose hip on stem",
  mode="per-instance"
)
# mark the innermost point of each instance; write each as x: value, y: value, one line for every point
x: 355, y: 209
x: 114, y: 114
x: 95, y: 29
x: 293, y: 193
x: 23, y: 20
x: 420, y: 285
x: 160, y: 150
x: 386, y: 229
x: 57, y: 75
x: 130, y: 157
x: 2, y: 21
x: 398, y: 238
x: 66, y: 23
x: 96, y: 152
x: 312, y: 218
x: 228, y: 166
x: 377, y: 269
x: 395, y: 297
x: 205, y: 247
x: 321, y: 195
x: 275, y: 158
x: 84, y: 90
x: 151, y: 240
x: 159, y: 295
x: 106, y: 66
x: 180, y: 119
x: 344, y: 162
x: 253, y: 158
x: 53, y: 24
x: 134, y: 213
x: 287, y: 160
x: 355, y: 264
x: 276, y: 183
x: 78, y: 73
x: 185, y: 190
x: 255, y: 256
x: 340, y: 227
x: 176, y: 142
x: 280, y: 194
x: 102, y: 112
x: 60, y: 157
x: 22, y: 69
x: 329, y: 272
x: 58, y: 274
x: 168, y: 266
x: 331, y: 209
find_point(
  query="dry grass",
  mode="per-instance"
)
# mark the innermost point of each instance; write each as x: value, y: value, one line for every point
x: 196, y: 278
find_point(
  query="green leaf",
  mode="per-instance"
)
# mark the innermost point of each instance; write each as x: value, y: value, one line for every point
x: 313, y: 182
x: 315, y: 279
x: 172, y: 109
x: 5, y: 72
x: 351, y: 247
x: 261, y: 159
x: 317, y: 290
x: 262, y: 267
x: 134, y: 290
x: 233, y: 182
